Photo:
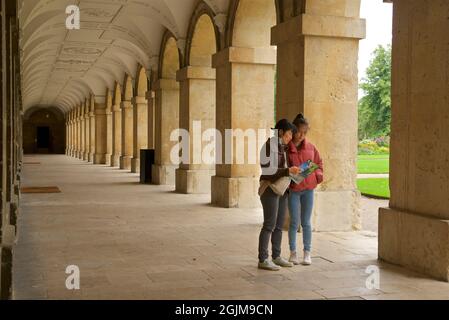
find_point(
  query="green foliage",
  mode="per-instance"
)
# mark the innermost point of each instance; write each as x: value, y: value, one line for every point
x: 375, y: 106
x: 378, y: 146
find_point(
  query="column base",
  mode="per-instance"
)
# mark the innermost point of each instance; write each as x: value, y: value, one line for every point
x: 135, y: 165
x: 100, y: 158
x: 115, y: 160
x: 194, y: 181
x: 125, y: 163
x: 414, y: 241
x: 336, y: 211
x: 5, y: 273
x: 86, y: 156
x: 81, y: 155
x: 163, y: 174
x: 235, y: 192
x: 108, y: 159
x: 91, y: 157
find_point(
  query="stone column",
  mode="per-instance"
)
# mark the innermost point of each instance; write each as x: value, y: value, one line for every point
x: 108, y: 131
x: 92, y: 123
x: 166, y: 120
x: 86, y: 117
x: 83, y: 151
x: 317, y: 54
x: 67, y: 136
x: 116, y: 135
x: 414, y: 231
x: 67, y: 129
x: 78, y: 132
x: 100, y: 130
x: 151, y: 126
x: 140, y: 130
x: 127, y: 135
x: 245, y: 100
x: 197, y: 114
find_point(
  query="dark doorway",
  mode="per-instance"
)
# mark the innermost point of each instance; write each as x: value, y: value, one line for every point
x: 44, y: 131
x: 43, y: 137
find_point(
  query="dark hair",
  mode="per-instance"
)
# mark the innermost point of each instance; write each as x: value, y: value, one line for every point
x: 285, y: 126
x: 300, y: 121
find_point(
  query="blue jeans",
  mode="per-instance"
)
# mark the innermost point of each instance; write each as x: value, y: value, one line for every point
x: 300, y: 205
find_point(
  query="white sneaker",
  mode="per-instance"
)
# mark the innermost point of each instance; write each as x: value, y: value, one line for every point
x: 282, y: 262
x: 268, y: 265
x: 307, y: 259
x: 294, y: 258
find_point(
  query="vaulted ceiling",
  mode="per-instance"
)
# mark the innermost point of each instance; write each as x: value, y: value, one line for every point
x: 62, y: 67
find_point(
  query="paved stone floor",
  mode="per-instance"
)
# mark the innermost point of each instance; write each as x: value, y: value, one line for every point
x: 135, y: 241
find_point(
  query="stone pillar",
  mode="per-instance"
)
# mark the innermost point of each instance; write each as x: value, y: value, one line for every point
x: 317, y: 54
x: 71, y: 133
x: 245, y: 100
x: 83, y: 150
x: 100, y: 130
x: 197, y: 114
x: 116, y: 135
x: 151, y: 126
x: 67, y: 136
x: 78, y: 132
x: 140, y: 130
x: 166, y: 120
x: 86, y: 118
x: 67, y: 130
x: 92, y: 135
x: 127, y: 135
x: 108, y: 131
x: 414, y: 230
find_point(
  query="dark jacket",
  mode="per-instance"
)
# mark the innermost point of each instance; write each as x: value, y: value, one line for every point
x: 273, y: 161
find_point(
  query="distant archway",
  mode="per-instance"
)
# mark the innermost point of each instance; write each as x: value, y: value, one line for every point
x: 44, y: 131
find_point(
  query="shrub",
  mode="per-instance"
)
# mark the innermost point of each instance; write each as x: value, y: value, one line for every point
x: 376, y: 146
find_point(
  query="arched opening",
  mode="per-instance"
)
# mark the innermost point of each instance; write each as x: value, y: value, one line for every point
x: 167, y: 111
x: 44, y: 131
x: 140, y: 118
x: 197, y: 103
x: 252, y: 23
x: 203, y: 43
x: 127, y: 124
x: 116, y: 126
x: 245, y: 99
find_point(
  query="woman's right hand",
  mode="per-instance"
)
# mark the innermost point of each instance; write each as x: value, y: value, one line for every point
x: 294, y: 170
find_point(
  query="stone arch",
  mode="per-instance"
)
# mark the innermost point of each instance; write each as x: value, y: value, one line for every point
x: 250, y: 23
x: 127, y: 93
x: 117, y: 94
x: 203, y: 38
x: 170, y: 57
x: 141, y: 82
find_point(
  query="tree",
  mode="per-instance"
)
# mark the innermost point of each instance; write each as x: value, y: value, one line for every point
x: 375, y: 106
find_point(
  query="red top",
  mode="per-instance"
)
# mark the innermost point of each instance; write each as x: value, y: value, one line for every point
x: 297, y: 156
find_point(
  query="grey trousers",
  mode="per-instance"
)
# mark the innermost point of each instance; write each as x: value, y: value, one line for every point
x: 274, y: 212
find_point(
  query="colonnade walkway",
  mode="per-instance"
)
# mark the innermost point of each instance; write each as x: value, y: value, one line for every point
x: 133, y: 241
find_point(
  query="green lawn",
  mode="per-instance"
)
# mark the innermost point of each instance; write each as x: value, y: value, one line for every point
x: 374, y: 187
x: 373, y: 164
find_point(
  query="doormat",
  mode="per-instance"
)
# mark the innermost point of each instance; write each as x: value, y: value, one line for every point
x: 40, y: 190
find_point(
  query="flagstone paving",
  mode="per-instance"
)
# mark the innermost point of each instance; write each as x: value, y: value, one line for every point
x: 133, y: 241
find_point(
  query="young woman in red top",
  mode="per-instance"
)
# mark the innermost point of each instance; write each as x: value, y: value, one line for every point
x: 301, y: 195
